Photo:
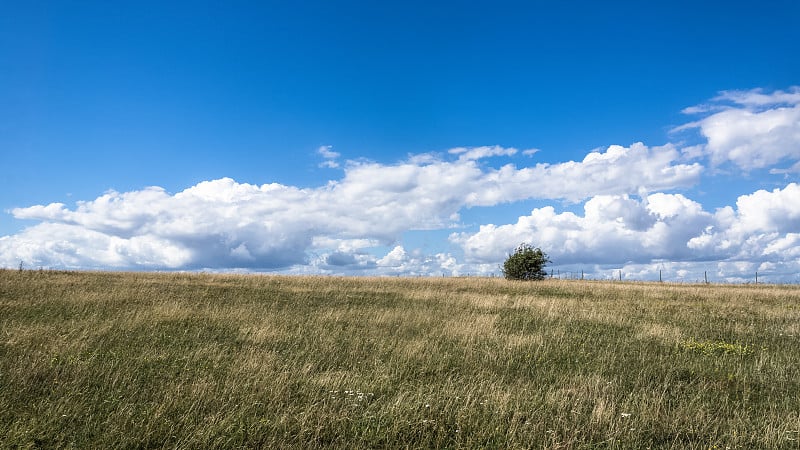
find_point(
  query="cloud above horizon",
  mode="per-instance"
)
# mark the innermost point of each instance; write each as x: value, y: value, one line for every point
x: 750, y: 129
x: 633, y: 214
x: 224, y: 223
x: 620, y: 230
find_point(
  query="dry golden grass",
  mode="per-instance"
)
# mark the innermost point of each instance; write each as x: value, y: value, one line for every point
x: 106, y: 360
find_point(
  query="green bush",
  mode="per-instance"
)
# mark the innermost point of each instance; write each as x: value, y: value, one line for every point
x: 526, y: 263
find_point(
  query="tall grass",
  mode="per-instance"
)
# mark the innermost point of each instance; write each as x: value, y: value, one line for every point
x: 116, y: 360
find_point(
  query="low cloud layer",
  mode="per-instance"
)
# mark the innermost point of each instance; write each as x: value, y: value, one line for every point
x: 612, y: 230
x: 636, y: 201
x: 762, y: 232
x: 224, y: 223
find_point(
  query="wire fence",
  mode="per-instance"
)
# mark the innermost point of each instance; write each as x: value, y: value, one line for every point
x: 617, y: 275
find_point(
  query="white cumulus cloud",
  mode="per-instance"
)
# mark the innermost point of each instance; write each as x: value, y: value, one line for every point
x: 614, y: 229
x: 632, y: 220
x: 659, y: 231
x: 223, y: 223
x: 752, y: 129
x: 618, y: 170
x: 762, y: 223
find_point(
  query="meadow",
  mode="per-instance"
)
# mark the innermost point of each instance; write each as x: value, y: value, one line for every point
x: 145, y: 360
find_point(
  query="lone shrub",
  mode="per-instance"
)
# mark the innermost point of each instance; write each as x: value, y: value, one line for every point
x: 526, y: 263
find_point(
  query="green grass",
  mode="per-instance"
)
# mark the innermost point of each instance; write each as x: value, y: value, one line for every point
x: 132, y: 360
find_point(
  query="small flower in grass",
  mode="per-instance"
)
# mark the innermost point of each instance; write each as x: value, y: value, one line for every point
x: 625, y: 415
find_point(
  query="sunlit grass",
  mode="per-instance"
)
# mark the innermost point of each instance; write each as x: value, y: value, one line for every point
x: 717, y: 348
x: 108, y: 360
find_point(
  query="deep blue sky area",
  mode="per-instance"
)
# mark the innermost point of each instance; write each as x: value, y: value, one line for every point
x: 103, y: 95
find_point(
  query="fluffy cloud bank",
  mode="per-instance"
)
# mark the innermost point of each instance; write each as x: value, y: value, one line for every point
x: 614, y: 229
x: 633, y: 217
x: 621, y: 229
x: 761, y: 233
x: 223, y: 223
x: 751, y: 129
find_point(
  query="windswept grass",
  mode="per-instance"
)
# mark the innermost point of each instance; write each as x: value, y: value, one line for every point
x: 113, y: 360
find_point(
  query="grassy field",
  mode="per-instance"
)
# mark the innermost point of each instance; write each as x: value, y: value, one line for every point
x: 132, y: 360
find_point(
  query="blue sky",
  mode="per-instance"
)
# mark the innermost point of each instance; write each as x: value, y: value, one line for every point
x: 401, y: 138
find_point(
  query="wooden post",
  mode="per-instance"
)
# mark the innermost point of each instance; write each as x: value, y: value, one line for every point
x: 659, y: 276
x: 620, y: 275
x: 581, y: 274
x: 705, y: 276
x: 756, y: 277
